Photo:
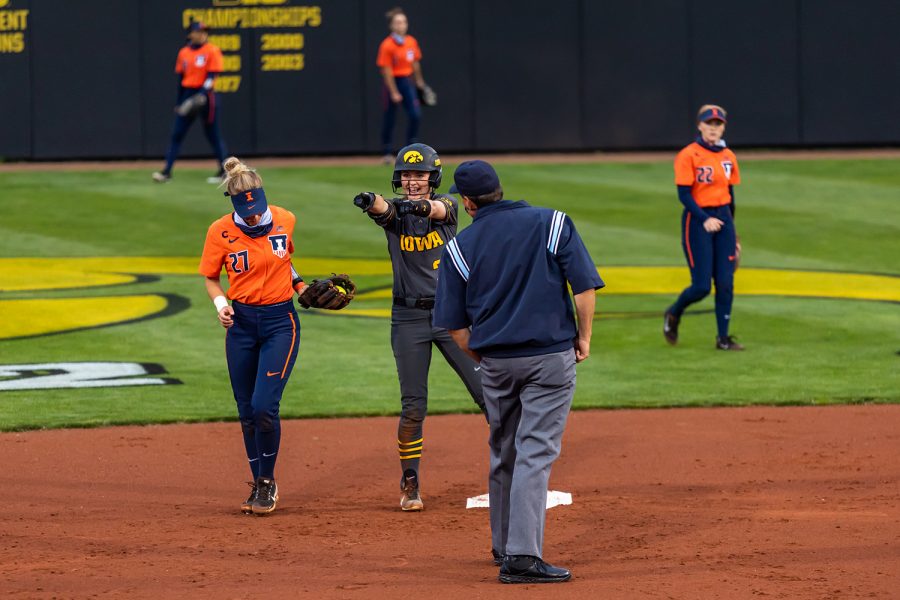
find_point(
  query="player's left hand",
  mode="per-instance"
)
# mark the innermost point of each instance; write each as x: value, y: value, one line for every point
x: 419, y: 208
x: 737, y: 253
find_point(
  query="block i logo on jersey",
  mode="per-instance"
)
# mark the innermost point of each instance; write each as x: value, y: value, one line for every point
x: 727, y: 166
x: 279, y: 245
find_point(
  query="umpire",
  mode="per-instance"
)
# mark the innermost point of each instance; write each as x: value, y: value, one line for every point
x: 417, y: 227
x: 503, y: 294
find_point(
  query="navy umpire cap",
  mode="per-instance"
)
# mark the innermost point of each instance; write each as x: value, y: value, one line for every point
x: 474, y: 178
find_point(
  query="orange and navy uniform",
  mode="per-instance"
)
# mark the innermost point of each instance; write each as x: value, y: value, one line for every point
x: 399, y: 54
x: 195, y: 64
x: 705, y: 176
x: 197, y: 67
x: 709, y: 173
x: 259, y: 269
x: 262, y: 344
x: 400, y: 57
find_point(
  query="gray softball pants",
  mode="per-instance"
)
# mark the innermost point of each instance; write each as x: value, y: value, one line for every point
x: 528, y: 400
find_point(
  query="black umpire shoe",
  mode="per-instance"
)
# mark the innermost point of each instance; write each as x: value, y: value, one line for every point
x: 266, y: 496
x: 498, y: 558
x: 247, y: 506
x: 670, y: 328
x: 727, y: 343
x: 530, y: 569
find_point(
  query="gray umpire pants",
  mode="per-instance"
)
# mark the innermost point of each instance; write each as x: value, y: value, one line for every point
x: 528, y: 400
x: 412, y: 336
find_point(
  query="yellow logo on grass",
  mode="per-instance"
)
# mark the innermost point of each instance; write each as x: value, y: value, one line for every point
x: 413, y: 156
x: 26, y: 316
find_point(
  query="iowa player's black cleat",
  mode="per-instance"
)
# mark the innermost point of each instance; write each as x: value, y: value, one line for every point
x: 266, y: 496
x: 727, y: 343
x: 670, y: 328
x: 530, y: 569
x: 498, y: 558
x: 247, y: 506
x: 410, y: 500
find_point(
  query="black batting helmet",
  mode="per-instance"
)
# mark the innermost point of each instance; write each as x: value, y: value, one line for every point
x: 418, y: 157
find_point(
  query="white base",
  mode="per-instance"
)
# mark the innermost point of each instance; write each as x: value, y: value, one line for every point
x: 553, y: 499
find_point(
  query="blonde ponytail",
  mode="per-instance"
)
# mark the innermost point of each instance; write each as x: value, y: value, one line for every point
x: 239, y: 177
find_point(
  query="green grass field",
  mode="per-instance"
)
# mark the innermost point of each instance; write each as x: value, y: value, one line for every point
x: 828, y: 215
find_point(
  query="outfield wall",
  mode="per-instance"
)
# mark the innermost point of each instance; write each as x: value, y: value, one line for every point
x: 94, y: 78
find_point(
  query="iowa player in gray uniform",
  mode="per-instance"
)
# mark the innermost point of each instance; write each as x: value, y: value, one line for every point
x: 417, y: 226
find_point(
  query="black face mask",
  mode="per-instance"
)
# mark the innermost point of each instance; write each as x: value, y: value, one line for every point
x: 255, y: 231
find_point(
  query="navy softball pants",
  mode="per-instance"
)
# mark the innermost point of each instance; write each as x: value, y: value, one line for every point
x: 209, y: 115
x: 261, y: 348
x: 710, y: 256
x: 410, y: 103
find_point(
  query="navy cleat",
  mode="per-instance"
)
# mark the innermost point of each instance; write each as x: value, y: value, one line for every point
x: 247, y: 506
x: 727, y: 343
x: 670, y: 328
x: 266, y: 496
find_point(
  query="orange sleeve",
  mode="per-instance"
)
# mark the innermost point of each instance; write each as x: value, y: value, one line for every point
x: 179, y: 64
x: 417, y: 52
x: 215, y: 60
x: 736, y: 174
x: 684, y: 168
x: 213, y: 256
x: 384, y: 54
x: 293, y: 222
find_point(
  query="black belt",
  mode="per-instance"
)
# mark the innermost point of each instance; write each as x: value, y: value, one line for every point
x: 426, y: 303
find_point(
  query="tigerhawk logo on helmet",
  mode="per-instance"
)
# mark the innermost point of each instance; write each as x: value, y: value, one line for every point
x: 412, y: 157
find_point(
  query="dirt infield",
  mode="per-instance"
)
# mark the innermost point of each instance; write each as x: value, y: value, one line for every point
x: 685, y: 503
x: 533, y: 158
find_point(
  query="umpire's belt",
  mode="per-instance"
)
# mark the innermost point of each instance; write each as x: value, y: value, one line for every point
x: 423, y: 303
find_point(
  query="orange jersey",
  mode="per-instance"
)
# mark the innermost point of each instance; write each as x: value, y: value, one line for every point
x: 708, y: 173
x: 194, y: 64
x: 399, y: 57
x: 259, y: 269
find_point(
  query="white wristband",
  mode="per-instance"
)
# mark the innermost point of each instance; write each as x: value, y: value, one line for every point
x: 220, y: 303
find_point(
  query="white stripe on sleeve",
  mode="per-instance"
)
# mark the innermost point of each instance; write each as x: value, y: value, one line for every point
x: 556, y: 225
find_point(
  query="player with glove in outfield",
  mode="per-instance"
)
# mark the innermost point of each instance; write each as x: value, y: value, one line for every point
x: 417, y: 226
x: 399, y: 60
x: 706, y: 172
x: 197, y: 66
x: 254, y: 244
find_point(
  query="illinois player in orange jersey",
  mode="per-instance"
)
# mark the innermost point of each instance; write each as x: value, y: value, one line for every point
x: 706, y: 172
x: 254, y: 244
x: 399, y: 59
x: 197, y: 66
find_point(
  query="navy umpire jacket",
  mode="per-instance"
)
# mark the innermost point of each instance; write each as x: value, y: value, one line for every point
x: 505, y: 277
